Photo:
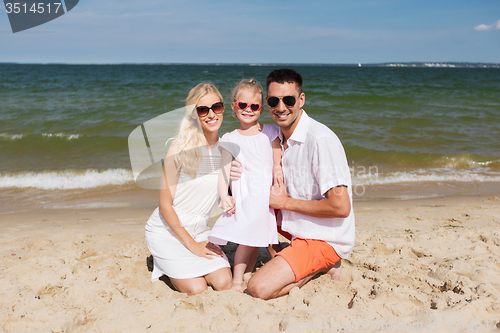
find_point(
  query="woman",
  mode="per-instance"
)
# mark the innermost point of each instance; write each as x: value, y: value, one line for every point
x: 176, y: 232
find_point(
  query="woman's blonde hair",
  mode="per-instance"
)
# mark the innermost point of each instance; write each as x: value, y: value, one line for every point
x: 190, y: 137
x: 251, y: 84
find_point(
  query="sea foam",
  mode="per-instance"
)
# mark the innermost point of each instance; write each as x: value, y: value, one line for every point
x: 63, y: 136
x: 426, y: 175
x: 65, y: 180
x: 10, y: 137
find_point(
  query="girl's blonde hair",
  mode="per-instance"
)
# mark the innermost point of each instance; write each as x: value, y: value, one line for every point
x: 251, y: 84
x: 190, y: 137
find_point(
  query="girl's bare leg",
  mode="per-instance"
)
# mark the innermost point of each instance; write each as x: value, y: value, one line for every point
x: 251, y: 264
x: 241, y: 262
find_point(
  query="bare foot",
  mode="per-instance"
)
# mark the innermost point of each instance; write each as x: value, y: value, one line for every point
x: 247, y: 276
x: 335, y: 271
x: 238, y: 288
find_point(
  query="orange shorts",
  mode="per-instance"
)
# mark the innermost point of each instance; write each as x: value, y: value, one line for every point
x: 306, y: 256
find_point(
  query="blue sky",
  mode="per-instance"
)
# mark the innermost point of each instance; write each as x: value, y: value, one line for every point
x: 237, y: 31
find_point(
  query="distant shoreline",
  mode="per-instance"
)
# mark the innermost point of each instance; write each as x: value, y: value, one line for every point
x: 428, y: 64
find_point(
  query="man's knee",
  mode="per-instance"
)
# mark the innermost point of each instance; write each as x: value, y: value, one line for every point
x: 259, y: 288
x: 256, y: 289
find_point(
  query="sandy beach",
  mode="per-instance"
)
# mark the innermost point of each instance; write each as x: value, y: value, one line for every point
x: 82, y: 265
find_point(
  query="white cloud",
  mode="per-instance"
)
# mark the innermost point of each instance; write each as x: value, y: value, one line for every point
x: 484, y: 27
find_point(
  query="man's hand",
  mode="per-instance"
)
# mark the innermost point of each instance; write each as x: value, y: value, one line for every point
x: 235, y: 171
x: 278, y: 195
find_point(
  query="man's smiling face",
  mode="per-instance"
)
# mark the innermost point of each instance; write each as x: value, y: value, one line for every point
x: 285, y: 116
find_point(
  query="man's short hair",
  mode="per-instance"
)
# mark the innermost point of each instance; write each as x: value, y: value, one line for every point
x: 284, y: 75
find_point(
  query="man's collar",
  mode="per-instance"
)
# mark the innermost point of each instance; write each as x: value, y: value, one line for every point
x: 300, y: 132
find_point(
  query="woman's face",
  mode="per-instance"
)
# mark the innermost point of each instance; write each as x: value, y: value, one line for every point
x: 210, y: 123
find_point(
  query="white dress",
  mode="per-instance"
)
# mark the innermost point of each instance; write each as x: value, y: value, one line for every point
x: 254, y: 223
x: 193, y: 202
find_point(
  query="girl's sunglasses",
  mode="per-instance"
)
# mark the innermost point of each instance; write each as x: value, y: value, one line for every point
x: 254, y: 106
x: 217, y: 108
x: 288, y: 100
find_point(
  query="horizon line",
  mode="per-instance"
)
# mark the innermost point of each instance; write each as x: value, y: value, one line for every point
x: 255, y: 64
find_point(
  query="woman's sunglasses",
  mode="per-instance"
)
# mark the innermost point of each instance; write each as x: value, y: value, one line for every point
x: 217, y: 108
x: 288, y: 100
x: 254, y: 106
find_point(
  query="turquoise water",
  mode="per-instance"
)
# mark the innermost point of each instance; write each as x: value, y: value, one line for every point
x: 66, y: 126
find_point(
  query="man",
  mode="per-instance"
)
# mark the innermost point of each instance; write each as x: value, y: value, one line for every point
x: 317, y: 211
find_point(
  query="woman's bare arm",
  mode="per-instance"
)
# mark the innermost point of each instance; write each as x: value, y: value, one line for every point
x: 167, y: 192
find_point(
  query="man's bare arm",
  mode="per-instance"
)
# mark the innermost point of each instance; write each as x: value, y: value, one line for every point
x: 336, y: 203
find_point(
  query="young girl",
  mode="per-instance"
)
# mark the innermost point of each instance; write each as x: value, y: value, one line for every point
x: 257, y: 148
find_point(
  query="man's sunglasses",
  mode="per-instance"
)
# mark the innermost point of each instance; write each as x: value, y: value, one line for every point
x: 217, y: 108
x: 289, y: 101
x: 254, y: 106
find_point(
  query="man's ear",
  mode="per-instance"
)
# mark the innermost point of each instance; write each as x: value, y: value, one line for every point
x: 302, y: 99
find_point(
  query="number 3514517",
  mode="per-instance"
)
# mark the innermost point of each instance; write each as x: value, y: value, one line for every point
x: 35, y: 8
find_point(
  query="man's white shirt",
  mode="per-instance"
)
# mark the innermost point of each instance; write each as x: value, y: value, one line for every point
x: 313, y: 163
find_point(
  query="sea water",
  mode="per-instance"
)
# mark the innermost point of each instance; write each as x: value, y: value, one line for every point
x: 65, y: 127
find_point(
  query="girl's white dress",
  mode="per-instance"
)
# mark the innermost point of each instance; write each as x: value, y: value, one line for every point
x: 254, y: 223
x: 193, y: 202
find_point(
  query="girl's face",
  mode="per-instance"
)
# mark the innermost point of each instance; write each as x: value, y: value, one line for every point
x: 211, y: 122
x: 247, y: 115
